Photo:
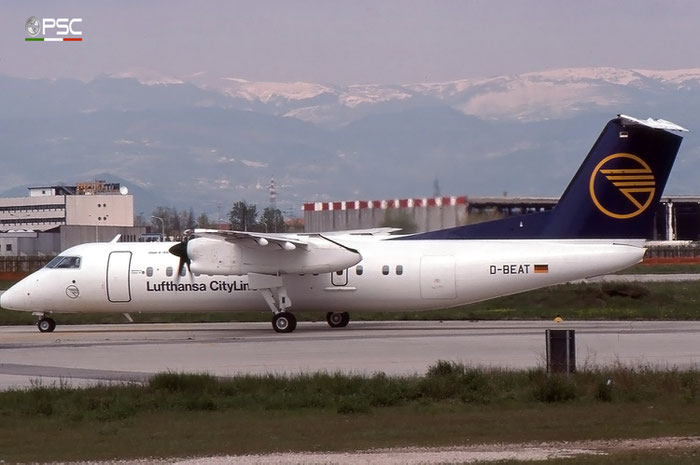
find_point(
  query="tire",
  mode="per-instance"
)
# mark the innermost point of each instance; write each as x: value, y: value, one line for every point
x: 284, y: 322
x: 345, y: 319
x: 46, y: 325
x: 334, y: 320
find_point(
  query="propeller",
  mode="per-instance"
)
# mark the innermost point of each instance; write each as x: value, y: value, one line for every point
x: 180, y: 250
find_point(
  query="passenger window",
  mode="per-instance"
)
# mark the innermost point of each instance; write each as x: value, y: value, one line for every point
x: 385, y: 270
x: 149, y: 271
x: 399, y: 270
x: 183, y: 271
x: 169, y: 271
x: 339, y: 273
x: 359, y: 270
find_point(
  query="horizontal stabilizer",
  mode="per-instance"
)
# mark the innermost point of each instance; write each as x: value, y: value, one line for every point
x: 655, y: 123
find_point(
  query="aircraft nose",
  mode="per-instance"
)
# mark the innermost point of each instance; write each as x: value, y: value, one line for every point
x: 4, y: 299
x: 10, y: 300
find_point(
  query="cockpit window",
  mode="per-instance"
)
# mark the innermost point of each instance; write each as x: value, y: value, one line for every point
x: 63, y: 261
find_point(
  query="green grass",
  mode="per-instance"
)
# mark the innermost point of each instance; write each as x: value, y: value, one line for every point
x: 681, y: 268
x: 184, y: 415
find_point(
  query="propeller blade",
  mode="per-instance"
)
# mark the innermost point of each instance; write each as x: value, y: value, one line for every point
x: 180, y: 250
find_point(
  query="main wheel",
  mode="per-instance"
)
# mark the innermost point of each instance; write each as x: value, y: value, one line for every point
x: 345, y: 319
x: 335, y: 320
x: 284, y: 322
x: 46, y: 325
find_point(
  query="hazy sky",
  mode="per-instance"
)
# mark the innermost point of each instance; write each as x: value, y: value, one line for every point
x: 346, y: 42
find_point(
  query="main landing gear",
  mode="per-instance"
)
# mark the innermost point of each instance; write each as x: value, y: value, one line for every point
x: 284, y: 322
x: 337, y: 320
x: 46, y: 324
x: 274, y: 292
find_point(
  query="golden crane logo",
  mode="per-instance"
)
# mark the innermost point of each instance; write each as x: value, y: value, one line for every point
x: 634, y: 180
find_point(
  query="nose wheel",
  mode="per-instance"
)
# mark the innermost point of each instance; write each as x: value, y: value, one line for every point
x: 46, y: 325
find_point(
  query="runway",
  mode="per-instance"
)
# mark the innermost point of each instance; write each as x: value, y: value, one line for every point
x: 86, y: 354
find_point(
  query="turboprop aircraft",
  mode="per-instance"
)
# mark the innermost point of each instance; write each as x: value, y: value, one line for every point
x: 597, y: 227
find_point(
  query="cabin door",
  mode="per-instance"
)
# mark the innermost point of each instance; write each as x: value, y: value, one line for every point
x: 339, y: 278
x: 437, y: 277
x: 118, y: 277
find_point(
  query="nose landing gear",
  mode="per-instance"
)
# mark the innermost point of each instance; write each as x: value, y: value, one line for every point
x: 46, y: 324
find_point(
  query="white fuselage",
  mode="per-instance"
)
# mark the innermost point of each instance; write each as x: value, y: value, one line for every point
x: 403, y: 275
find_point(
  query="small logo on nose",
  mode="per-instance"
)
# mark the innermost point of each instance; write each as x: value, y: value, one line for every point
x: 72, y: 292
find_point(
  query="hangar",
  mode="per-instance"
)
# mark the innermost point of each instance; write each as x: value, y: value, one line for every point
x: 677, y: 217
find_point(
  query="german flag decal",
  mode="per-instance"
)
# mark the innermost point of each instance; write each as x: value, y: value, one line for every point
x: 541, y: 268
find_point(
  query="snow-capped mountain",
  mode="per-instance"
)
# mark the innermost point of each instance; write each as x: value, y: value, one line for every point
x: 204, y: 141
x: 531, y: 96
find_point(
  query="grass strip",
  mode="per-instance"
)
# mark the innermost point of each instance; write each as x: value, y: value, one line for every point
x: 670, y: 268
x: 198, y: 414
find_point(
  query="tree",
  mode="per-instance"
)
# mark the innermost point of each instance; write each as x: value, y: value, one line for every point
x: 203, y: 221
x: 166, y: 215
x: 272, y: 220
x: 140, y: 220
x: 187, y: 219
x: 244, y: 216
x: 175, y: 224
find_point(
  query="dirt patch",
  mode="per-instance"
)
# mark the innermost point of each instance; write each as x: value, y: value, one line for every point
x: 468, y: 454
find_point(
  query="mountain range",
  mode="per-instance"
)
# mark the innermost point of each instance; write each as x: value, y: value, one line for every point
x: 206, y: 141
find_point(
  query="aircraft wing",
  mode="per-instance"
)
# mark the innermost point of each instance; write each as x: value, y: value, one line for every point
x: 361, y: 232
x: 251, y: 239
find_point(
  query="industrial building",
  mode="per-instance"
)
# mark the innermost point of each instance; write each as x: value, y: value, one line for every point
x: 677, y: 217
x: 53, y: 218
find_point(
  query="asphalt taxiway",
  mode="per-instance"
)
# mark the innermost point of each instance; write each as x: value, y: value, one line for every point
x: 86, y: 354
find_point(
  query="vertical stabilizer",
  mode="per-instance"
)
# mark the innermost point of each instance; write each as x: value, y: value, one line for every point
x: 616, y: 190
x: 613, y: 195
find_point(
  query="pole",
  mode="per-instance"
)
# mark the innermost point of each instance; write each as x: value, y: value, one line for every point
x: 162, y: 227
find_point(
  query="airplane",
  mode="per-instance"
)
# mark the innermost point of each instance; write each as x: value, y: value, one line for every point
x: 598, y: 226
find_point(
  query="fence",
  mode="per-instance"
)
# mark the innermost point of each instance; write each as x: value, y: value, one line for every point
x: 13, y: 267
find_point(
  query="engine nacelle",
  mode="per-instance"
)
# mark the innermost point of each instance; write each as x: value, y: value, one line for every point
x: 214, y: 256
x: 217, y: 256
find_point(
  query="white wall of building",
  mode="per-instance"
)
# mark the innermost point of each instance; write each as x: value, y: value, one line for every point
x: 100, y: 210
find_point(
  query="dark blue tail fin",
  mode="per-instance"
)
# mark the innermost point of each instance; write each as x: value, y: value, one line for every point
x: 613, y: 195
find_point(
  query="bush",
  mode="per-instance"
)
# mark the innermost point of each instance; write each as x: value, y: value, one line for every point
x: 554, y: 388
x: 604, y: 390
x: 183, y: 382
x: 353, y: 403
x: 451, y: 380
x: 631, y: 290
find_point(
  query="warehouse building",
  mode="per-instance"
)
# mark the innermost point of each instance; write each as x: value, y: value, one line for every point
x: 677, y: 217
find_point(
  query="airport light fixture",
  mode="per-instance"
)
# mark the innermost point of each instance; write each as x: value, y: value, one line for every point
x: 162, y: 227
